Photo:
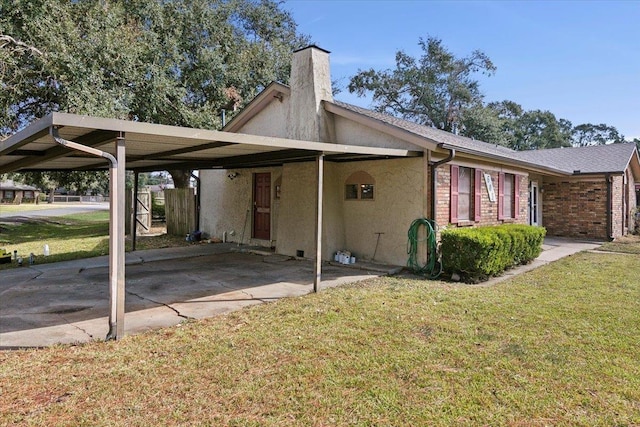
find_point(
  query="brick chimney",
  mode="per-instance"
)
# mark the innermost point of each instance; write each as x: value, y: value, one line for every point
x: 310, y: 84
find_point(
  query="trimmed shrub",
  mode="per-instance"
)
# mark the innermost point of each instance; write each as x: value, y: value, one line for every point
x: 479, y: 253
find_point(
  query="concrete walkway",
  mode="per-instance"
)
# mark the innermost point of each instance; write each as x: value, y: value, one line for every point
x: 553, y: 249
x: 67, y: 302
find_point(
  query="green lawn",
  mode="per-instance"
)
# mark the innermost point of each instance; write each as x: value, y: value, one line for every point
x: 628, y: 244
x: 70, y: 237
x: 555, y: 346
x: 24, y: 207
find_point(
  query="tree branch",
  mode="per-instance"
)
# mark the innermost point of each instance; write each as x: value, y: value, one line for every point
x: 6, y: 40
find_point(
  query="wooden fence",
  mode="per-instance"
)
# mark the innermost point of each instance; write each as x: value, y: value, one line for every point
x: 180, y: 210
x: 144, y: 211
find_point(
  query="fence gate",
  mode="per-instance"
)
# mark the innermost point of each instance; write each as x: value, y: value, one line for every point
x: 180, y: 210
x: 143, y: 218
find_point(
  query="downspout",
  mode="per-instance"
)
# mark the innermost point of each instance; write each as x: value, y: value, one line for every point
x: 79, y: 147
x: 198, y: 192
x: 609, y: 210
x: 113, y: 289
x: 434, y: 177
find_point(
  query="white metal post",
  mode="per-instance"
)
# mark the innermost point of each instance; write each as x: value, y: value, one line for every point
x: 116, y: 242
x: 318, y: 267
x: 119, y: 223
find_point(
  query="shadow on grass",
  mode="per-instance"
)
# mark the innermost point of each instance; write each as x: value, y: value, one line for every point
x: 53, y: 228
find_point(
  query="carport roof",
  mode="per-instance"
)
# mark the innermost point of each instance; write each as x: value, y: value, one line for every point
x: 161, y: 147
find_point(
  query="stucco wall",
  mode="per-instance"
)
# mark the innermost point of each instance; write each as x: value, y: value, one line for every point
x: 398, y: 200
x: 347, y: 224
x: 271, y: 121
x: 350, y: 132
x: 296, y: 221
x: 225, y: 203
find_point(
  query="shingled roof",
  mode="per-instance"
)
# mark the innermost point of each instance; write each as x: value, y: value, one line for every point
x: 612, y: 158
x: 584, y: 160
x: 448, y: 139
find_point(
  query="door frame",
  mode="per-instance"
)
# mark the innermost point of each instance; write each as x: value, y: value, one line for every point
x: 256, y: 208
x: 534, y: 209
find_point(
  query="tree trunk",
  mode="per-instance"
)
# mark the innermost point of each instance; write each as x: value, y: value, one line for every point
x: 181, y: 177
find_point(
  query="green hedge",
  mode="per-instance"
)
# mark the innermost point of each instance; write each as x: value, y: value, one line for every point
x: 479, y: 253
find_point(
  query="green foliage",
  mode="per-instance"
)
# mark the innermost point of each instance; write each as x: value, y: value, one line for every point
x: 438, y: 89
x: 82, y: 182
x: 479, y: 253
x: 433, y: 90
x: 590, y: 134
x: 538, y: 129
x: 170, y: 62
x: 157, y: 209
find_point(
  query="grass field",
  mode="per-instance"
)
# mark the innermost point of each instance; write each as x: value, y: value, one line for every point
x: 24, y: 207
x: 556, y: 346
x: 628, y: 244
x: 70, y: 237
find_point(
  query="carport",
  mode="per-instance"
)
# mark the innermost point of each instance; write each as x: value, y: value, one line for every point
x: 62, y: 141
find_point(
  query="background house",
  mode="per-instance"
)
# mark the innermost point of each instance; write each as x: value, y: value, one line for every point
x: 12, y: 192
x: 368, y: 204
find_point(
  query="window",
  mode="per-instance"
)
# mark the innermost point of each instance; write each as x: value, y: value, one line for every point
x: 28, y: 194
x: 466, y: 194
x: 508, y: 196
x: 359, y: 186
x: 8, y: 194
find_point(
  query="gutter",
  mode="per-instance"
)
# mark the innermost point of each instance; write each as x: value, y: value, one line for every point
x: 434, y: 177
x: 608, y: 178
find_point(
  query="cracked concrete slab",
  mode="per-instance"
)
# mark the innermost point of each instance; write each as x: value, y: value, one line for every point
x: 69, y: 303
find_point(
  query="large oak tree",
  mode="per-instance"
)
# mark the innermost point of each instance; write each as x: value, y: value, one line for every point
x: 175, y: 62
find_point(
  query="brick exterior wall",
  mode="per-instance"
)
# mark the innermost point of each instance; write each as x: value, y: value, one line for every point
x: 575, y: 208
x: 489, y: 210
x: 570, y: 208
x: 618, y: 207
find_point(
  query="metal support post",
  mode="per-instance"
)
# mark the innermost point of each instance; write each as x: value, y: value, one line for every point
x: 134, y: 220
x: 318, y: 267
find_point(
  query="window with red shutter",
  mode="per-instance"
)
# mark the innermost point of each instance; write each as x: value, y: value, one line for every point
x: 477, y: 195
x: 453, y: 202
x: 501, y: 196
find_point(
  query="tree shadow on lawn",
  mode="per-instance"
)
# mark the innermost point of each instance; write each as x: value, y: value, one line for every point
x: 23, y: 230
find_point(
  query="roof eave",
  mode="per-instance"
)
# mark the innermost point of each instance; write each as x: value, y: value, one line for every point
x: 508, y: 160
x: 257, y: 104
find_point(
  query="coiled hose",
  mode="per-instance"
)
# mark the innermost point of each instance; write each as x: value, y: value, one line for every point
x: 432, y: 267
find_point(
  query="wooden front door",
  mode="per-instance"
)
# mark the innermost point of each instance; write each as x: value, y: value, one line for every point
x: 262, y: 206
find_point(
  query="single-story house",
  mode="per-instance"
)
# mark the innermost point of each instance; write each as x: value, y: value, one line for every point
x: 12, y: 192
x: 369, y: 203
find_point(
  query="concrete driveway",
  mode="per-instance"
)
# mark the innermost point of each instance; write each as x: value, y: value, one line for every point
x: 69, y: 302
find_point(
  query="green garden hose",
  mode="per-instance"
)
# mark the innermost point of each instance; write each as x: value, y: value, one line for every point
x: 432, y: 268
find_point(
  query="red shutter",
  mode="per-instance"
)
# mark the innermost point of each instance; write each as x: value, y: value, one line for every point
x: 516, y: 196
x: 477, y: 195
x: 453, y: 201
x: 501, y: 196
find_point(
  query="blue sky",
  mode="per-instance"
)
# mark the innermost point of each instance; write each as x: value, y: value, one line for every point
x: 578, y: 59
